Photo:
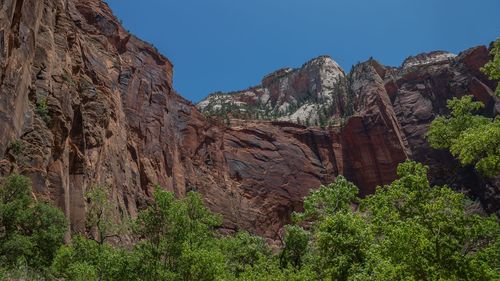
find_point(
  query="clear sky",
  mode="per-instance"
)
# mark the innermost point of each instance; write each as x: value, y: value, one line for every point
x: 225, y: 45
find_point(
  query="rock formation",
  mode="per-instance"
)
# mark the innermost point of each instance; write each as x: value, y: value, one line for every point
x: 85, y: 103
x: 313, y: 94
x: 380, y: 114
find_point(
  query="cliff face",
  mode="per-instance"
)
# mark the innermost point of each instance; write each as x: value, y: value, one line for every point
x: 379, y: 115
x: 84, y: 103
x: 418, y: 93
x: 316, y: 93
x: 87, y: 104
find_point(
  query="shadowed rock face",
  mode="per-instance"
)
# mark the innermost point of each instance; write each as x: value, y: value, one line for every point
x: 89, y: 104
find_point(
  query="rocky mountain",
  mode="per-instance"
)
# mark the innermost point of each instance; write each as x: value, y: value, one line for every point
x: 85, y: 103
x: 399, y: 101
x: 316, y: 93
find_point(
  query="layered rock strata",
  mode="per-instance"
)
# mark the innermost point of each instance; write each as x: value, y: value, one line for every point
x: 84, y: 103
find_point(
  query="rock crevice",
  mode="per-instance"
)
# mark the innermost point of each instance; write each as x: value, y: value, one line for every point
x: 85, y: 103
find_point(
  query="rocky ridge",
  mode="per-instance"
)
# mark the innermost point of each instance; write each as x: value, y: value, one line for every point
x: 312, y: 94
x: 396, y: 103
x: 85, y: 103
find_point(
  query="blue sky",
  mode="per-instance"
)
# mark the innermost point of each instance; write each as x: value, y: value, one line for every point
x: 225, y: 45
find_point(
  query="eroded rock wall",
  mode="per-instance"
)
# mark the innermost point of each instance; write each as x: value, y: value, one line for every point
x: 85, y: 103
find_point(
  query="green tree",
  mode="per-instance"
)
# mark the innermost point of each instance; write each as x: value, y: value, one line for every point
x: 176, y: 242
x: 492, y: 68
x: 270, y: 270
x: 328, y: 200
x: 95, y: 258
x: 408, y: 230
x: 473, y: 139
x: 243, y: 250
x: 343, y: 240
x: 100, y: 217
x: 86, y: 259
x: 30, y: 231
x: 427, y: 233
x: 177, y: 235
x: 294, y: 247
x: 339, y: 236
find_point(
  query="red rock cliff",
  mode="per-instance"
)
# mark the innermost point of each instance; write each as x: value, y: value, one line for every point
x: 90, y: 104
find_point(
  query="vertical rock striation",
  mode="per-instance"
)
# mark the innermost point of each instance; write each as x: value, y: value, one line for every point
x: 85, y: 103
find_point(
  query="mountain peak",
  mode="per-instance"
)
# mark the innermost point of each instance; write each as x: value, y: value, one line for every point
x: 428, y: 58
x: 304, y: 95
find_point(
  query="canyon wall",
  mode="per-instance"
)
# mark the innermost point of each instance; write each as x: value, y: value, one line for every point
x: 84, y: 103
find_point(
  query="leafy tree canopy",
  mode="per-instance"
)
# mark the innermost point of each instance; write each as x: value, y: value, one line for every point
x: 30, y: 231
x: 408, y: 230
x: 492, y: 68
x: 473, y: 139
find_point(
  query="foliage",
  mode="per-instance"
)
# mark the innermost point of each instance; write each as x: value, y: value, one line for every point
x: 294, y: 247
x: 86, y: 259
x: 99, y: 219
x: 408, y: 230
x: 343, y: 241
x: 42, y: 109
x: 243, y: 251
x: 16, y: 147
x: 66, y: 76
x: 176, y: 242
x: 473, y: 139
x: 328, y: 200
x: 31, y: 231
x: 177, y: 231
x: 492, y: 68
x: 426, y: 233
x: 270, y: 270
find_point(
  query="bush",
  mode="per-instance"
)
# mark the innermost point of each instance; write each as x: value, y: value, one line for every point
x: 16, y: 147
x: 42, y: 109
x: 408, y: 230
x: 31, y: 231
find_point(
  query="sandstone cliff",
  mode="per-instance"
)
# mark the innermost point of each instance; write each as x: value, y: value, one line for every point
x: 316, y: 93
x: 381, y: 114
x: 85, y: 103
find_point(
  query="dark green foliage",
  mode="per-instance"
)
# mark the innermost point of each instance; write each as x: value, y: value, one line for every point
x: 16, y: 147
x: 31, y: 231
x: 178, y: 236
x: 294, y: 247
x: 343, y: 241
x: 408, y: 230
x: 88, y: 260
x: 243, y: 251
x: 492, y: 68
x: 328, y: 200
x: 427, y: 233
x: 176, y: 241
x: 473, y: 139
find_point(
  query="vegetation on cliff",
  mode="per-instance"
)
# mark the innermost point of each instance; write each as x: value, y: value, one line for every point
x: 473, y: 139
x: 492, y: 68
x: 408, y: 230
